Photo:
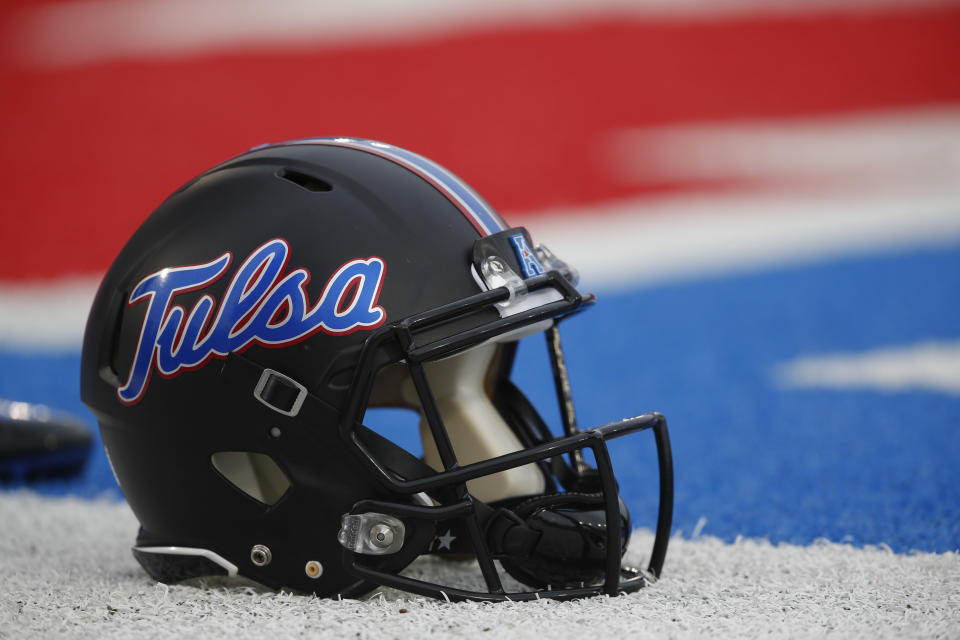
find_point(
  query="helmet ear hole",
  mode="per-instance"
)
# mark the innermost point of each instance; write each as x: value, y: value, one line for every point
x: 255, y: 474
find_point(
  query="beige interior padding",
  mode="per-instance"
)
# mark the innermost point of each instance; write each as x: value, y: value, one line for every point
x: 477, y: 430
x: 256, y: 474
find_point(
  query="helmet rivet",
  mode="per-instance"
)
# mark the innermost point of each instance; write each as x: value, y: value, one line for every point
x: 496, y: 265
x: 313, y: 569
x: 381, y: 535
x: 260, y: 555
x: 275, y: 432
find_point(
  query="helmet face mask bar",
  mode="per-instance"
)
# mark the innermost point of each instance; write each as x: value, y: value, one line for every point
x: 241, y: 337
x: 404, y: 337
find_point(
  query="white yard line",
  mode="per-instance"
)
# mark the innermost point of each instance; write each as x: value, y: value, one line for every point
x: 45, y: 315
x: 72, y: 33
x: 648, y: 241
x: 918, y: 147
x: 926, y: 366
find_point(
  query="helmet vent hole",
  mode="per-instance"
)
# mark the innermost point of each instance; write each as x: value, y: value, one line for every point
x: 307, y: 182
x: 255, y: 474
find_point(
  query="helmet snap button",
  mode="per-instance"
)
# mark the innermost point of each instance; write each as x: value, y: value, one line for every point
x: 381, y: 535
x: 260, y: 555
x: 313, y: 569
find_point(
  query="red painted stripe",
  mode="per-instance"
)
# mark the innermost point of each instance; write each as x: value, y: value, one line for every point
x: 520, y: 114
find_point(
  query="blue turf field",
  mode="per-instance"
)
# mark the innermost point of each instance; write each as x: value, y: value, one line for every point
x: 792, y: 465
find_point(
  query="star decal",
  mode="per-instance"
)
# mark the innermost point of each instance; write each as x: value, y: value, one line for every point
x: 444, y: 541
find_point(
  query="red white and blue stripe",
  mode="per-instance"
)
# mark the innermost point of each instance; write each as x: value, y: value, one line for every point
x: 474, y: 208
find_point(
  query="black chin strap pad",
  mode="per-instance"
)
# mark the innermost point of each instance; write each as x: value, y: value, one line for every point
x: 555, y: 540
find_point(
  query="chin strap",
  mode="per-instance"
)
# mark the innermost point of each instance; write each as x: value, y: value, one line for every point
x: 554, y: 540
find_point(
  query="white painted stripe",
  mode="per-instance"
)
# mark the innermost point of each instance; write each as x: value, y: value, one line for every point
x: 647, y: 241
x: 916, y: 147
x: 74, y: 33
x: 46, y: 315
x: 928, y: 366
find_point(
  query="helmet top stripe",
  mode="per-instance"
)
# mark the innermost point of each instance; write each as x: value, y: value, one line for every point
x: 476, y: 210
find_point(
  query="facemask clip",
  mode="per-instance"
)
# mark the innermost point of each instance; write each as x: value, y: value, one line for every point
x: 373, y: 534
x: 497, y: 273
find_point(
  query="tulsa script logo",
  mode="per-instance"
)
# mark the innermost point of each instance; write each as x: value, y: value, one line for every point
x: 262, y: 306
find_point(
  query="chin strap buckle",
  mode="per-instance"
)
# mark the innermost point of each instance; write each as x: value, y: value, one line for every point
x: 281, y: 393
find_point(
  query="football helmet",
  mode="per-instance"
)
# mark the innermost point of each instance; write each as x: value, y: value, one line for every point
x: 247, y: 330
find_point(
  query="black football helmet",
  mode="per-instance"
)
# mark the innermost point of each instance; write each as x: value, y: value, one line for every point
x: 238, y: 341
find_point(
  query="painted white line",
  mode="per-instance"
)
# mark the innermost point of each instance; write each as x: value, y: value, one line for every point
x: 928, y: 366
x: 919, y: 147
x: 46, y: 315
x: 648, y: 241
x: 75, y: 33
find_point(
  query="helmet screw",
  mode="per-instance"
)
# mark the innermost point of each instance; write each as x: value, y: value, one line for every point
x: 260, y: 555
x: 275, y: 432
x: 496, y: 264
x: 313, y: 569
x: 381, y: 535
